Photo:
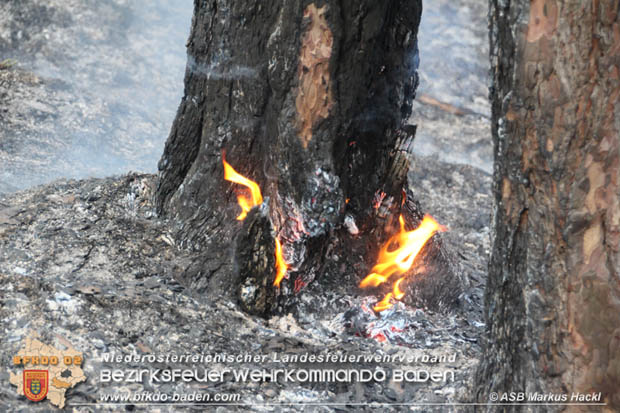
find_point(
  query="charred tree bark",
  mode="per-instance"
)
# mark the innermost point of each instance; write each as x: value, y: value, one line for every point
x: 309, y: 100
x: 553, y: 295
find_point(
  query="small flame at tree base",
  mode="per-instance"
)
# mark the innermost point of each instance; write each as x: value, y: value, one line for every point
x: 281, y: 266
x: 397, y: 257
x: 384, y: 304
x: 246, y: 205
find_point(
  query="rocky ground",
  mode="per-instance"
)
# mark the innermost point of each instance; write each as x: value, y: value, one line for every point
x: 89, y: 262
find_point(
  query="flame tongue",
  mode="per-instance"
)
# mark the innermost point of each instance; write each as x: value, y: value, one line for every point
x: 281, y: 266
x: 398, y: 294
x: 246, y: 204
x: 384, y: 304
x: 397, y: 257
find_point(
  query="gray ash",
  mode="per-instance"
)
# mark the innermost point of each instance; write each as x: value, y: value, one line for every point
x: 88, y: 261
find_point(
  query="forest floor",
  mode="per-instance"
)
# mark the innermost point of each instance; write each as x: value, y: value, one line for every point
x: 88, y: 88
x: 452, y: 108
x: 88, y: 261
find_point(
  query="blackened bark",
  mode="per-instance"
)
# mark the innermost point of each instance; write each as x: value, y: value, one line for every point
x: 553, y: 294
x: 255, y: 257
x: 309, y: 100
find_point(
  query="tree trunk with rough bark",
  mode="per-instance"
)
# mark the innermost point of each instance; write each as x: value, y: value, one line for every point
x: 309, y: 100
x: 553, y: 294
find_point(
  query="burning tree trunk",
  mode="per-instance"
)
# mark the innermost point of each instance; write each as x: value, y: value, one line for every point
x: 307, y: 101
x: 553, y: 295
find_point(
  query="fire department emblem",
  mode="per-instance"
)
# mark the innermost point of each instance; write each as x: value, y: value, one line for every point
x: 35, y: 384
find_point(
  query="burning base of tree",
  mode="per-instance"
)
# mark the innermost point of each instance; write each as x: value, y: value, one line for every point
x: 412, y: 263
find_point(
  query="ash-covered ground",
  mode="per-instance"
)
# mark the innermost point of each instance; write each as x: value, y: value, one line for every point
x: 88, y: 88
x: 452, y: 108
x: 88, y: 261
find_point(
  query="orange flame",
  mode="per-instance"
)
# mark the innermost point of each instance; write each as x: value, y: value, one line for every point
x: 281, y: 266
x: 398, y: 294
x: 408, y: 245
x: 246, y: 204
x: 384, y: 304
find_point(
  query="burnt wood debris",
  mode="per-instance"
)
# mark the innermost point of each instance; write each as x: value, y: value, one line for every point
x: 313, y: 110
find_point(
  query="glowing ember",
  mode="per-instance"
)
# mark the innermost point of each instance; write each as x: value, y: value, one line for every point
x: 397, y: 257
x: 281, y: 266
x: 246, y: 204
